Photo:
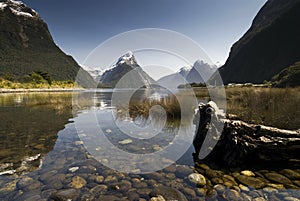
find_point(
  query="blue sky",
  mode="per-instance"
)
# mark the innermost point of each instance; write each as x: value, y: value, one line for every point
x: 80, y: 26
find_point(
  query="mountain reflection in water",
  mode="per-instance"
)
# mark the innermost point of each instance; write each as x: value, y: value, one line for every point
x: 28, y: 128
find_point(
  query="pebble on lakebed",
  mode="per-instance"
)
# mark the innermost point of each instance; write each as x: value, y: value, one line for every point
x: 78, y: 182
x: 126, y: 141
x: 73, y: 169
x: 198, y: 179
x: 248, y: 173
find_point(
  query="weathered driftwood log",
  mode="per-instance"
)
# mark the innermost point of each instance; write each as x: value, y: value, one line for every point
x: 241, y: 143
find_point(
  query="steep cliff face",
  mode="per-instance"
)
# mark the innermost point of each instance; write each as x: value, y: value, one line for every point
x: 271, y: 44
x: 26, y: 45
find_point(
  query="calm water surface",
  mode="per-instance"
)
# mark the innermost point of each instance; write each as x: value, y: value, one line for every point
x: 45, y: 154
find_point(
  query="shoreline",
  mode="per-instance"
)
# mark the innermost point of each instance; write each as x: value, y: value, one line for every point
x: 4, y: 91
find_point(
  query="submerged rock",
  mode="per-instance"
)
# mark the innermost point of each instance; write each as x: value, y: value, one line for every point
x: 278, y: 178
x: 28, y: 184
x: 11, y: 186
x: 189, y: 192
x: 198, y: 179
x: 232, y: 195
x: 65, y: 194
x: 168, y: 194
x: 109, y: 198
x: 121, y: 186
x: 183, y: 171
x: 158, y: 198
x: 251, y: 181
x: 214, y: 173
x: 126, y: 141
x: 243, y: 188
x: 219, y: 188
x: 73, y: 169
x: 291, y: 174
x: 248, y: 173
x: 99, y: 189
x: 77, y: 182
x: 110, y: 179
x: 99, y: 179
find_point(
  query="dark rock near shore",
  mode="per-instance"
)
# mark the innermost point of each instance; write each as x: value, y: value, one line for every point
x: 168, y: 194
x: 65, y: 194
x: 277, y: 178
x: 28, y: 184
x: 183, y: 171
x: 109, y: 198
x: 251, y: 181
x: 291, y: 174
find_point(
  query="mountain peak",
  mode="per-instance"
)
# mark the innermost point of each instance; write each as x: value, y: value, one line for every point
x: 128, y: 59
x: 18, y: 8
x: 203, y: 64
x: 185, y: 68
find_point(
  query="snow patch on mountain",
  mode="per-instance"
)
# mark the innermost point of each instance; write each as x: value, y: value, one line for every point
x: 127, y: 58
x: 2, y: 5
x: 20, y: 13
x: 18, y: 8
x: 19, y: 3
x: 185, y: 69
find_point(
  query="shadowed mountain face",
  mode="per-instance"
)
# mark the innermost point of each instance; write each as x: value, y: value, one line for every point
x: 271, y: 44
x: 26, y: 46
x: 126, y: 73
x: 288, y: 77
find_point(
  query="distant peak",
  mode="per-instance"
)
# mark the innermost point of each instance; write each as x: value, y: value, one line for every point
x: 185, y: 69
x: 127, y: 58
x: 128, y: 54
x: 202, y: 63
x: 18, y: 8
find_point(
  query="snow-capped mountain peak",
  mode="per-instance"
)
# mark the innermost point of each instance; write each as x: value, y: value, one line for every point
x: 18, y: 8
x: 185, y: 68
x: 184, y: 71
x: 126, y: 73
x: 127, y: 58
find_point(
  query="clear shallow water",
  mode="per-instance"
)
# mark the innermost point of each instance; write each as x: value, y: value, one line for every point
x: 44, y: 157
